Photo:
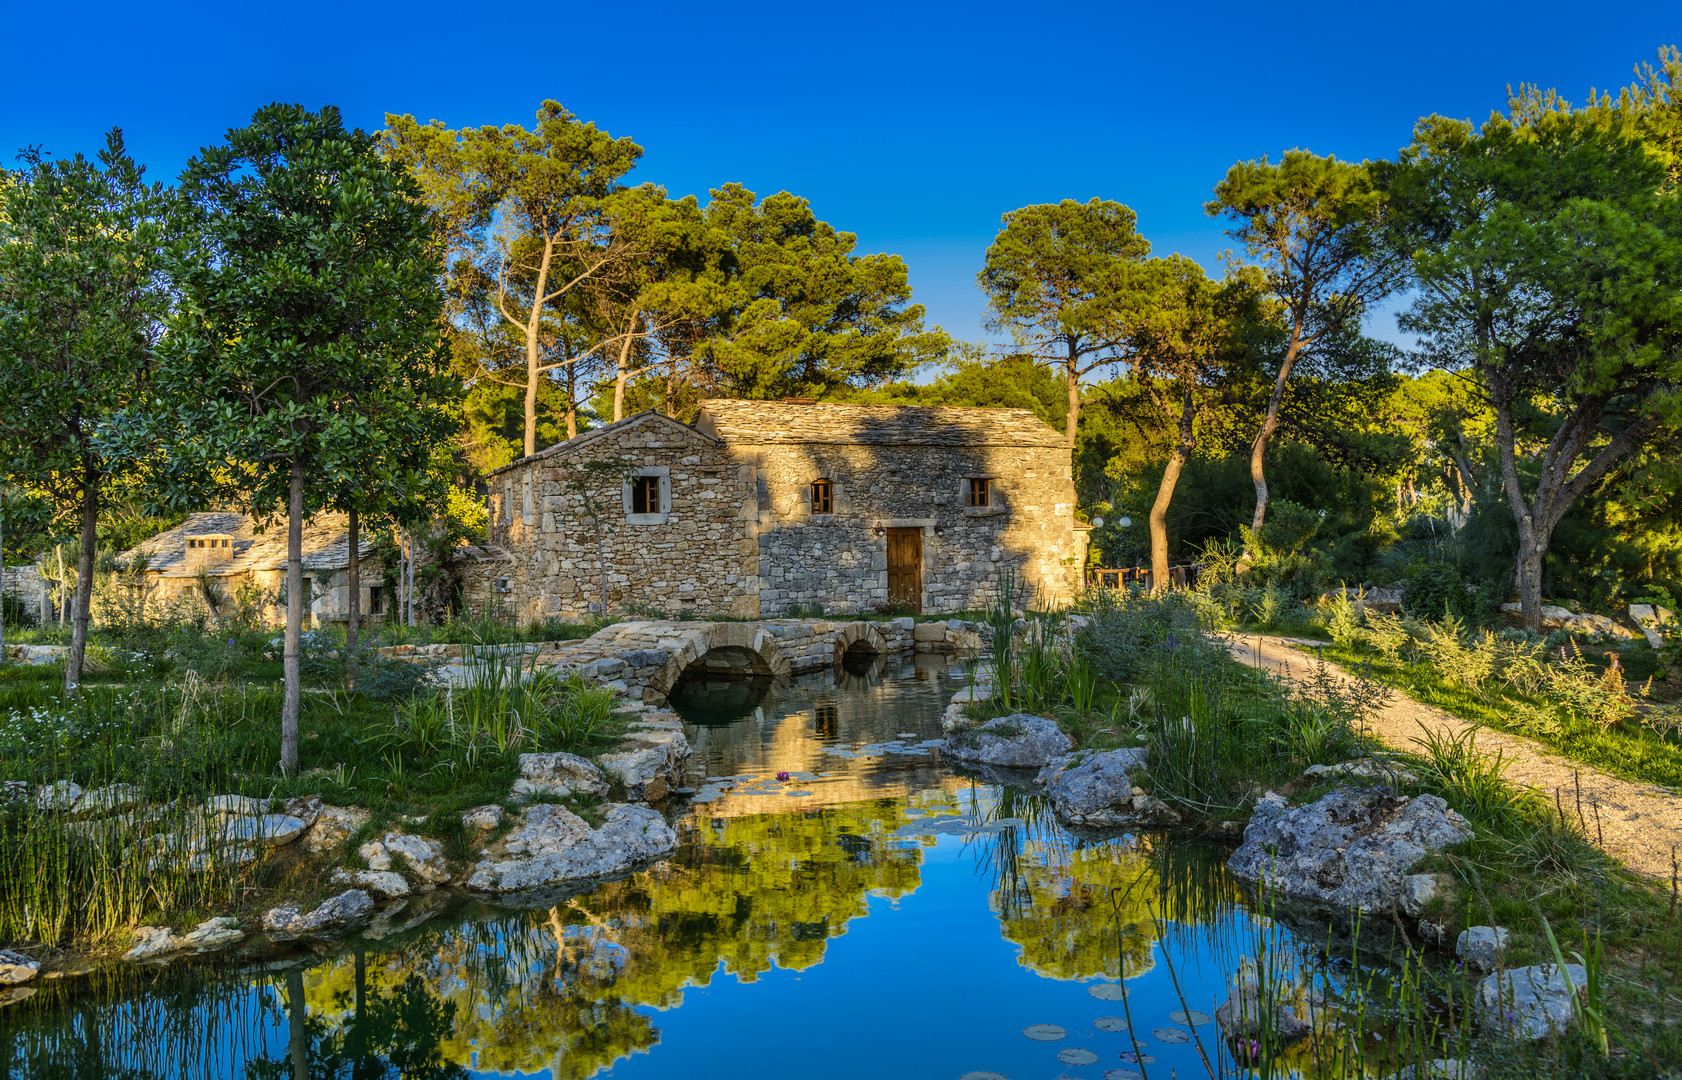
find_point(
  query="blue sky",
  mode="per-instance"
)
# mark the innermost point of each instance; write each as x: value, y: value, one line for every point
x: 913, y: 125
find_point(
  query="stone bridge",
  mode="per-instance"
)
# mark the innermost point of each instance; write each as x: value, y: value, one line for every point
x: 646, y: 659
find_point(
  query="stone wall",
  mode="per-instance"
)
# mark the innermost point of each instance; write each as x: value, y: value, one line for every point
x: 839, y: 559
x: 28, y: 587
x: 691, y: 558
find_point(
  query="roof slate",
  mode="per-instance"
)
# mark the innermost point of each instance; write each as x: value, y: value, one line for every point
x: 877, y: 425
x: 326, y: 544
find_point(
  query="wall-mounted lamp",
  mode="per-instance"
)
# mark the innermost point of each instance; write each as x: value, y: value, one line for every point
x: 940, y: 528
x: 878, y: 530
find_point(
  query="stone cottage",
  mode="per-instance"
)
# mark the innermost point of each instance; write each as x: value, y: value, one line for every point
x: 761, y: 507
x: 231, y: 552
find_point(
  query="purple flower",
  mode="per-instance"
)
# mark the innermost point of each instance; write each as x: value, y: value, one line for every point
x: 782, y: 776
x: 230, y: 641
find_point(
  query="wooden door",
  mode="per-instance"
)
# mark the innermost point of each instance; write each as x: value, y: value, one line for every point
x: 905, y: 568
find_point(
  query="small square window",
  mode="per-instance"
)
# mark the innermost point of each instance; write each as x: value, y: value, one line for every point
x: 645, y: 494
x: 823, y: 497
x: 978, y: 492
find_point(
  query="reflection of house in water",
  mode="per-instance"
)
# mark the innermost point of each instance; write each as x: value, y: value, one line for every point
x: 763, y: 728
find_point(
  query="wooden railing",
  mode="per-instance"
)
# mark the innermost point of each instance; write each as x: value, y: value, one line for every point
x: 1181, y: 575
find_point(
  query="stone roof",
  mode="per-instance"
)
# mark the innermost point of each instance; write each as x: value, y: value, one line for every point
x: 876, y: 425
x: 326, y: 544
x: 584, y: 439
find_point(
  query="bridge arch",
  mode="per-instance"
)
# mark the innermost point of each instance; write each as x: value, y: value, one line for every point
x: 859, y: 638
x: 720, y: 649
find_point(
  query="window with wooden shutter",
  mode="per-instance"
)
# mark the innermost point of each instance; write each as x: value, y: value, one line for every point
x: 823, y: 497
x: 645, y: 495
x: 978, y: 491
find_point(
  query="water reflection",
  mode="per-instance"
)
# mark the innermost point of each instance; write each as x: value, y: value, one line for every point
x: 901, y: 921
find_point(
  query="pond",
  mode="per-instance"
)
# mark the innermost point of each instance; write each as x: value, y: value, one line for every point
x: 869, y: 913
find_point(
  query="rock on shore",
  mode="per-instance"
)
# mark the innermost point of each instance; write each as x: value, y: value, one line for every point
x: 554, y: 847
x: 1532, y: 1001
x: 1351, y: 848
x: 1019, y: 741
x: 349, y: 907
x: 1097, y: 789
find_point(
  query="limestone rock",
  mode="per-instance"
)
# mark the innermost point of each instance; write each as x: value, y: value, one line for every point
x: 1482, y: 946
x: 236, y: 805
x: 306, y: 808
x: 267, y: 831
x: 483, y: 818
x: 1361, y: 768
x: 1420, y: 891
x: 1240, y: 1015
x: 333, y: 826
x: 16, y: 968
x: 424, y: 858
x: 1352, y: 848
x: 107, y: 800
x: 151, y: 942
x: 1532, y: 1001
x: 374, y: 854
x: 647, y: 757
x: 929, y: 631
x: 60, y: 796
x: 558, y: 774
x: 349, y: 907
x: 212, y: 934
x: 553, y: 847
x: 1019, y: 741
x: 1097, y: 790
x: 384, y: 883
x: 1650, y: 618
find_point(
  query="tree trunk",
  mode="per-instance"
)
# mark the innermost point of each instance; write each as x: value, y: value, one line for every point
x: 1270, y: 424
x: 84, y: 581
x: 1071, y: 425
x: 534, y: 358
x: 622, y: 374
x: 297, y: 1033
x: 353, y: 614
x: 3, y: 584
x: 1165, y: 495
x: 294, y: 620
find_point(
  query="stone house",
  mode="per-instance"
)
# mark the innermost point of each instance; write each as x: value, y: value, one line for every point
x: 762, y: 506
x: 231, y: 552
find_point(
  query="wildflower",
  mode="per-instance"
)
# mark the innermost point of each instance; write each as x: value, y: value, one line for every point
x: 782, y: 776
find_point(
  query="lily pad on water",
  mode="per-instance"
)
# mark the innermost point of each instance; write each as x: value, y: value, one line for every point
x: 1044, y: 1032
x: 1074, y: 1055
x: 1189, y: 1019
x: 1122, y: 1074
x: 1171, y: 1035
x: 983, y: 1076
x: 1136, y: 1058
x: 1110, y: 1023
x: 1107, y: 991
x: 908, y: 734
x: 797, y: 794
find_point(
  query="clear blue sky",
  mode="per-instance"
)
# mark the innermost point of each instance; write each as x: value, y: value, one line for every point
x: 913, y: 125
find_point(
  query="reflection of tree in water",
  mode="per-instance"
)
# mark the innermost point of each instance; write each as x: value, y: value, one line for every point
x: 562, y: 989
x: 1079, y: 908
x: 381, y: 1031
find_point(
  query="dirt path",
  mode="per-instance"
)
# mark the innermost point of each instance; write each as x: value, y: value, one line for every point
x: 1640, y: 824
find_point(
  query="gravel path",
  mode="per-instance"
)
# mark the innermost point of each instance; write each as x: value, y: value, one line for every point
x: 1640, y: 824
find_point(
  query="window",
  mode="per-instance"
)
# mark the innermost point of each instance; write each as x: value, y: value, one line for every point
x: 645, y: 494
x: 502, y: 585
x: 978, y: 491
x: 376, y: 599
x: 823, y: 497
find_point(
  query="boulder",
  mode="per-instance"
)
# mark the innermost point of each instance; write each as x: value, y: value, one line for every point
x: 483, y: 818
x: 236, y: 805
x: 1650, y: 618
x: 554, y: 847
x: 100, y: 801
x: 1482, y: 946
x: 1361, y: 768
x: 1420, y: 891
x: 1351, y: 849
x: 60, y: 796
x: 421, y: 857
x: 1532, y: 1001
x: 558, y: 774
x: 1240, y: 1015
x: 306, y: 808
x: 267, y: 831
x: 349, y: 907
x: 333, y: 826
x: 1096, y: 789
x: 383, y: 883
x: 648, y: 763
x: 1019, y: 741
x: 17, y: 968
x: 151, y: 942
x: 212, y: 934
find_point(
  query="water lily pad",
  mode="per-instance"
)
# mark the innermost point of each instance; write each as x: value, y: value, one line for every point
x: 1189, y: 1019
x: 1122, y: 1074
x: 1171, y: 1035
x: 1107, y: 991
x: 1044, y: 1032
x: 907, y: 734
x: 1074, y: 1055
x: 1110, y: 1023
x: 983, y: 1076
x: 797, y: 794
x: 1136, y: 1058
